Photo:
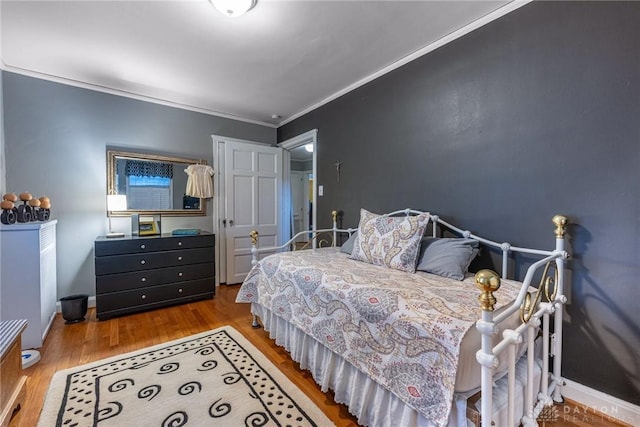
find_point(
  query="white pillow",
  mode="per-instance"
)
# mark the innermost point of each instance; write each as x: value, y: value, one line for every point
x: 392, y: 242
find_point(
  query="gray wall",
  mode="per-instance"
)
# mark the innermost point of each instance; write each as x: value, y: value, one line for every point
x: 301, y: 165
x: 3, y: 175
x: 179, y: 185
x: 535, y: 114
x: 56, y: 137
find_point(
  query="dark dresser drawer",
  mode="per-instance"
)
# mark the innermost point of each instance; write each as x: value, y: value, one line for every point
x: 152, y: 295
x: 141, y: 273
x: 151, y: 260
x: 145, y: 278
x: 105, y: 247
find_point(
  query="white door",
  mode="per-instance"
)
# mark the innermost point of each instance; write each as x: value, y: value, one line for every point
x: 253, y: 192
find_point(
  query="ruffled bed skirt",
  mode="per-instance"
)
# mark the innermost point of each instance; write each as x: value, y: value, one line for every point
x: 369, y: 402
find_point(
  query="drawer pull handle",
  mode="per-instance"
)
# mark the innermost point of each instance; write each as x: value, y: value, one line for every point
x: 144, y: 297
x: 180, y: 274
x: 179, y: 243
x: 180, y: 290
x: 179, y: 258
x: 144, y: 279
x: 143, y: 262
x: 143, y: 246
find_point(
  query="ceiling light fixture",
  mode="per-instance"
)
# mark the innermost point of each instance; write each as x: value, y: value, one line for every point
x: 234, y: 8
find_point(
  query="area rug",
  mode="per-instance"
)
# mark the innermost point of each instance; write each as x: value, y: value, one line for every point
x: 216, y: 378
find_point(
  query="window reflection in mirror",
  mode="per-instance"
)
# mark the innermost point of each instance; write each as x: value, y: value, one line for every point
x: 152, y: 183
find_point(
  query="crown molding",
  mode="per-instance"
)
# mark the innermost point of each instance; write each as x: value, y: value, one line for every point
x: 77, y: 83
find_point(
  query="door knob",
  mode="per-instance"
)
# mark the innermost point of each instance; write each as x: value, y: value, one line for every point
x: 231, y: 222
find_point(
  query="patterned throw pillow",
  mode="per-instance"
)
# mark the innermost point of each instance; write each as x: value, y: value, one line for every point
x: 392, y: 242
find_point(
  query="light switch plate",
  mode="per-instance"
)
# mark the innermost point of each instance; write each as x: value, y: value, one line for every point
x: 320, y: 190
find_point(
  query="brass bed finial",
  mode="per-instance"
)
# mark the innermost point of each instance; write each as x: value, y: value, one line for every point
x: 334, y: 215
x: 488, y: 282
x: 561, y: 222
x: 254, y: 237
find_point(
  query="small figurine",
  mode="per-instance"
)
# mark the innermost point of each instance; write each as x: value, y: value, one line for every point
x: 24, y: 210
x: 35, y: 205
x: 9, y: 211
x: 45, y: 209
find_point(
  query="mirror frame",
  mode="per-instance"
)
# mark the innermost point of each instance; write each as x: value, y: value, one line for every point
x: 112, y: 155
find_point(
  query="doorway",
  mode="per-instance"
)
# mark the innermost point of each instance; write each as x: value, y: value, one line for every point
x: 300, y: 198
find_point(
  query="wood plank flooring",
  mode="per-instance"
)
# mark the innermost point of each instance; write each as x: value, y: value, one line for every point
x: 67, y: 346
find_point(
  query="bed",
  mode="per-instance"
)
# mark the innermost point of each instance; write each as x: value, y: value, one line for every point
x: 394, y: 324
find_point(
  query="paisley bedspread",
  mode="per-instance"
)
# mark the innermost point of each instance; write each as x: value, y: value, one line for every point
x: 404, y: 330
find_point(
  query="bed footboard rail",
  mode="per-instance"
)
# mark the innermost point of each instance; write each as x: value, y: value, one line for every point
x: 535, y: 315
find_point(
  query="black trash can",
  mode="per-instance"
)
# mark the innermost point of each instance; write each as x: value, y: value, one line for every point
x: 74, y: 308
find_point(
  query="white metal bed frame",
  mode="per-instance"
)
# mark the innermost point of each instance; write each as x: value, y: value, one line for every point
x: 533, y: 312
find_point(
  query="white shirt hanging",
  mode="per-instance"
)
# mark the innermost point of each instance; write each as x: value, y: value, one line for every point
x: 199, y: 182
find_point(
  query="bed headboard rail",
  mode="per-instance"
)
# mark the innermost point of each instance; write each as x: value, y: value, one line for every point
x: 505, y: 247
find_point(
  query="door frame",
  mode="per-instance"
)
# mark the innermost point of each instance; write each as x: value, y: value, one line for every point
x: 309, y: 137
x: 218, y: 199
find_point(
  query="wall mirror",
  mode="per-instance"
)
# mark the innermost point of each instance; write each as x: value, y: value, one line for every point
x: 153, y: 184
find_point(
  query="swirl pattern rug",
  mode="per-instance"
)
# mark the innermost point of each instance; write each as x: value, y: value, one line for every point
x: 213, y: 378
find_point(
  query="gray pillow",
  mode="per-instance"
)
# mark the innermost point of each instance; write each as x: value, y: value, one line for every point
x: 447, y: 257
x: 347, y: 247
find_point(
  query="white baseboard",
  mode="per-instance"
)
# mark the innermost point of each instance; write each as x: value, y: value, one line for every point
x: 90, y: 303
x: 609, y: 406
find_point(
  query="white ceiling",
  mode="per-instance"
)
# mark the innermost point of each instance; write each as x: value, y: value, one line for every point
x: 280, y: 60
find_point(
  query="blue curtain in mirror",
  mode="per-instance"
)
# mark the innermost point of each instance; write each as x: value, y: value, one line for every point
x: 149, y: 169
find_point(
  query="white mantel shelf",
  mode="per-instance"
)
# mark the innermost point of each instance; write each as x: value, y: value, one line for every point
x: 36, y: 225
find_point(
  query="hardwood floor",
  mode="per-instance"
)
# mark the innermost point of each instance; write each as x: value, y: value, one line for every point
x: 67, y: 346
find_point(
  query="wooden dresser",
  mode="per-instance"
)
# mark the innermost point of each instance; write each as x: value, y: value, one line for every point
x: 12, y: 380
x: 140, y: 273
